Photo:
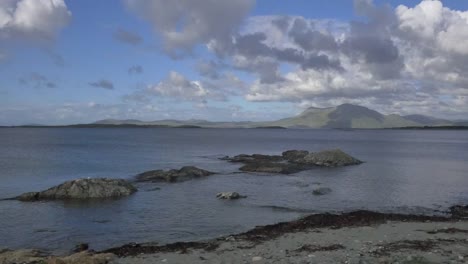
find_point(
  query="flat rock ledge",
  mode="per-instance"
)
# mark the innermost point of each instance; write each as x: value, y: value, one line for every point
x: 293, y: 161
x: 98, y: 188
x: 184, y: 174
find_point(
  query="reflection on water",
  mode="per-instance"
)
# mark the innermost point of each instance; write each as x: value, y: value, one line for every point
x: 405, y: 171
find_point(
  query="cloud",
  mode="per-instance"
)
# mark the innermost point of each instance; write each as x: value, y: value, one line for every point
x: 184, y: 24
x: 37, y: 80
x: 127, y: 37
x: 32, y: 19
x: 34, y: 22
x: 267, y: 43
x: 105, y: 84
x: 136, y: 69
x: 176, y: 87
x: 403, y: 59
x: 209, y: 69
x: 306, y: 36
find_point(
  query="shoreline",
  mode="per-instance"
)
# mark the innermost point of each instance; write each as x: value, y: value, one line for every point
x: 264, y: 233
x: 272, y: 243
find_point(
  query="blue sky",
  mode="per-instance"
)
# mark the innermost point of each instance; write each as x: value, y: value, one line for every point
x: 78, y: 61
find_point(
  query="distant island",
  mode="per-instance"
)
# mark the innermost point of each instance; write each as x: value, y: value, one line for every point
x: 345, y: 116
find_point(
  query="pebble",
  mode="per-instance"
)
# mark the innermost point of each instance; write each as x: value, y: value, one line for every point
x: 254, y: 259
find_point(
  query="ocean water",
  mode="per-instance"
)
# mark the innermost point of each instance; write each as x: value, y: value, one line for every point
x: 409, y: 171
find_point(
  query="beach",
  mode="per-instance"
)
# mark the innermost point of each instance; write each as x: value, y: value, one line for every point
x: 355, y: 237
x: 393, y: 242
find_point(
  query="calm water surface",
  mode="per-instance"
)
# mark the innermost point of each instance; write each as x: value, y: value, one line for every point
x: 405, y: 171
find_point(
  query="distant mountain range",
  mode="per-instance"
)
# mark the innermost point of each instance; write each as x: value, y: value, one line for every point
x: 345, y: 116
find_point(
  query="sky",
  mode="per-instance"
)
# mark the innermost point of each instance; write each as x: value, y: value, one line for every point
x: 79, y: 61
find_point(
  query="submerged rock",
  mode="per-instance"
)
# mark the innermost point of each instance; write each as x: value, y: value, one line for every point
x: 83, y: 189
x: 293, y: 161
x: 229, y: 195
x: 328, y: 158
x: 321, y: 191
x: 184, y: 174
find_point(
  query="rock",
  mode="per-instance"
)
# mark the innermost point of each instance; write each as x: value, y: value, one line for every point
x: 254, y: 259
x: 184, y: 174
x: 292, y: 161
x: 292, y: 155
x: 322, y: 191
x: 229, y: 195
x: 81, y: 247
x: 459, y: 211
x: 329, y: 158
x: 83, y: 189
x: 243, y: 158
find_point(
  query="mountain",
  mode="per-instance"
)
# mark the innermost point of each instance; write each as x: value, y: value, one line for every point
x: 344, y: 116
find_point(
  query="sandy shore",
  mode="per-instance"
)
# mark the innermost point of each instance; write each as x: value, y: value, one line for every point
x: 356, y: 237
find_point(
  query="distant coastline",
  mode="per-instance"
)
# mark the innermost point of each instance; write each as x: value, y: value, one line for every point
x: 345, y: 116
x: 200, y: 127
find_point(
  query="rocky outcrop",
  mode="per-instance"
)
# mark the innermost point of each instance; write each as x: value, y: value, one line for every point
x: 83, y: 189
x: 328, y: 158
x: 293, y: 161
x: 229, y: 195
x: 292, y: 155
x: 184, y: 174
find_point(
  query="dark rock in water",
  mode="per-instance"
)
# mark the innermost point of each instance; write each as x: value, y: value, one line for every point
x: 293, y: 161
x: 292, y: 155
x: 81, y: 247
x: 83, y: 189
x: 329, y: 158
x: 272, y: 167
x: 459, y: 211
x: 244, y: 158
x: 184, y: 174
x: 229, y: 195
x: 321, y: 191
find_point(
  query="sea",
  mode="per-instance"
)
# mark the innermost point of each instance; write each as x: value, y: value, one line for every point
x: 404, y: 171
